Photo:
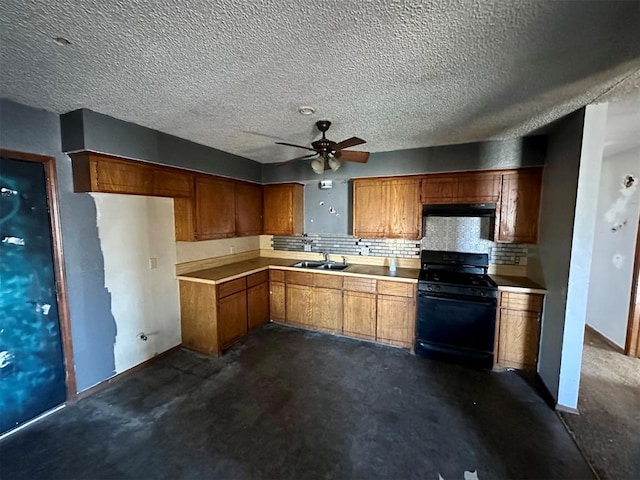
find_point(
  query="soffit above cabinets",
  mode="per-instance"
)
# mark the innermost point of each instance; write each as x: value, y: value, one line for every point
x: 232, y: 75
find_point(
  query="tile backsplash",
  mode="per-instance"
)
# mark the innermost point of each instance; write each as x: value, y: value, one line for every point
x: 462, y: 234
x: 349, y: 245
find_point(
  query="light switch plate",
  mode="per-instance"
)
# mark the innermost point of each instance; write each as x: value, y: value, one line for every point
x: 153, y: 263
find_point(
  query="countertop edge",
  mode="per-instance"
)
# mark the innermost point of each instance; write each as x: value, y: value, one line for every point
x: 390, y: 278
x: 516, y: 289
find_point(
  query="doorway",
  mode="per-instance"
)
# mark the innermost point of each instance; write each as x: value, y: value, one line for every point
x: 36, y: 359
x: 632, y: 346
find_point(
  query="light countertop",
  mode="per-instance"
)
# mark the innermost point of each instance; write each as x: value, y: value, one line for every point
x: 239, y: 269
x: 511, y: 283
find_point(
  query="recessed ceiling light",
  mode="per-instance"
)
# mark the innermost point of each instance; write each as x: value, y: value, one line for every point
x: 306, y: 110
x: 62, y: 41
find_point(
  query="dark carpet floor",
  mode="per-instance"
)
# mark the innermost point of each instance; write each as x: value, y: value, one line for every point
x: 608, y: 427
x: 288, y: 404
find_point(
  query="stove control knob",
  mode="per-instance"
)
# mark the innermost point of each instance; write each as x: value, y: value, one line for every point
x: 429, y: 287
x: 483, y: 293
x: 438, y: 287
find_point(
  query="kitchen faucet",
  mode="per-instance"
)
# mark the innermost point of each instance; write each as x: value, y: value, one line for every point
x: 326, y: 256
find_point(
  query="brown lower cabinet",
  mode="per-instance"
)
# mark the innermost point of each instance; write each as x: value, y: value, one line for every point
x: 518, y: 330
x: 232, y: 318
x: 214, y: 317
x: 358, y: 307
x: 360, y: 314
x: 277, y: 296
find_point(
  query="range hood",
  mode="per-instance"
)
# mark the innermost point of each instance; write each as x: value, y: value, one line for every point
x: 460, y: 210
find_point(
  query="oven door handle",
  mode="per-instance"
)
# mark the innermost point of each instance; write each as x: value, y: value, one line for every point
x: 483, y: 300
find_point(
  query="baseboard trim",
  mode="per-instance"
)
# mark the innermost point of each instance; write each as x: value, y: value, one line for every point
x: 617, y: 348
x: 565, y: 409
x: 102, y: 385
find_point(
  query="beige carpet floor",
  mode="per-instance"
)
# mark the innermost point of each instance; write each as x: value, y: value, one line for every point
x: 607, y: 429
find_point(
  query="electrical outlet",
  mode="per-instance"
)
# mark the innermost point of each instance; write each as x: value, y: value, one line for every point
x: 232, y: 249
x: 364, y: 250
x: 307, y: 248
x: 153, y: 263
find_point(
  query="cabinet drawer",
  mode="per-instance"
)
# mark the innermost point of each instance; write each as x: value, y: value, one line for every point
x: 227, y: 288
x: 521, y: 301
x: 328, y: 281
x: 357, y: 284
x: 300, y: 278
x: 257, y: 278
x: 276, y: 275
x: 397, y: 289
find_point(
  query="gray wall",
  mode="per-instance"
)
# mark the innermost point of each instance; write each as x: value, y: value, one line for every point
x: 557, y: 215
x: 492, y: 155
x: 87, y: 130
x: 93, y: 328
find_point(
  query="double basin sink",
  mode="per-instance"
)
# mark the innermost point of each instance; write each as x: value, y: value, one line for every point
x: 321, y: 265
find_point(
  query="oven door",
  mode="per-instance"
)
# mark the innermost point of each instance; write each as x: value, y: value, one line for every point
x: 453, y: 326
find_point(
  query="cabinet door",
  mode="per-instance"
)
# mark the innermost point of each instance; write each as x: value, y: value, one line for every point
x: 172, y: 183
x: 198, y: 317
x: 257, y: 305
x: 517, y: 220
x: 370, y: 200
x: 518, y: 337
x: 396, y: 320
x: 215, y: 208
x: 299, y: 304
x: 283, y: 212
x: 248, y: 209
x: 481, y: 187
x: 232, y: 318
x: 359, y: 315
x: 404, y: 210
x: 119, y: 176
x: 439, y: 189
x: 277, y: 301
x: 327, y: 310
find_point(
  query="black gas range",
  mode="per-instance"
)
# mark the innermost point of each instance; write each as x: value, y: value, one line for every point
x: 456, y: 308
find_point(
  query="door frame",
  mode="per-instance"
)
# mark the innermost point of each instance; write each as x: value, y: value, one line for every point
x: 632, y: 344
x: 58, y: 261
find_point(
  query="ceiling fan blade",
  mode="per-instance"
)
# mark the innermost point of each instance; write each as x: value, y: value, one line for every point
x: 304, y: 157
x: 352, y: 156
x: 349, y: 142
x: 297, y: 146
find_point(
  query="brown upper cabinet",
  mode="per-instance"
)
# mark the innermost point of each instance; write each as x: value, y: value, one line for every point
x: 387, y: 207
x: 214, y: 208
x: 518, y: 210
x: 468, y: 187
x: 171, y: 182
x: 101, y: 173
x: 248, y: 209
x: 205, y: 206
x: 283, y: 209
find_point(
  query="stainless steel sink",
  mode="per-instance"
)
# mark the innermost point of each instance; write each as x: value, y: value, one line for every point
x: 307, y: 264
x: 333, y: 266
x: 321, y: 265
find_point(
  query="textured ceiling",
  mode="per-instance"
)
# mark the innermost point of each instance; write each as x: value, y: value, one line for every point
x: 400, y: 74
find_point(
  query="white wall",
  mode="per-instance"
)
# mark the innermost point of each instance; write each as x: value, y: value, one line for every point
x: 616, y: 231
x: 582, y: 244
x: 191, y: 251
x: 133, y: 229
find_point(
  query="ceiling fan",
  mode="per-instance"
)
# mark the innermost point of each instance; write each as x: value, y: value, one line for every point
x: 329, y: 154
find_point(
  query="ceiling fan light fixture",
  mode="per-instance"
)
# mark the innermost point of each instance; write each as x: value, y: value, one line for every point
x: 317, y: 165
x: 334, y: 164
